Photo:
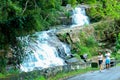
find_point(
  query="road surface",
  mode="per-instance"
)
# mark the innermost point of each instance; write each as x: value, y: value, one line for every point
x: 111, y: 74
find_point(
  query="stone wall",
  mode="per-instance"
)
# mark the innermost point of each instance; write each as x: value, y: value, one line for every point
x: 46, y: 72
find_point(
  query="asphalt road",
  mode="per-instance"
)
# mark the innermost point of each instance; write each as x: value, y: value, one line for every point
x: 111, y: 74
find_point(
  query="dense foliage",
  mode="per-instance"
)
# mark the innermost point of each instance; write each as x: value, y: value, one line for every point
x: 117, y: 48
x: 20, y: 17
x: 104, y: 9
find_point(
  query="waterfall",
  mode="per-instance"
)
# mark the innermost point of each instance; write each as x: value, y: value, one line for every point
x: 79, y: 17
x: 42, y: 51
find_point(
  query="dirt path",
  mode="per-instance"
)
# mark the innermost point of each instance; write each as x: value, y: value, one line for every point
x: 111, y: 74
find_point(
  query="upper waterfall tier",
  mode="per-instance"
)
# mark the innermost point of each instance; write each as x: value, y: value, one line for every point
x: 79, y: 17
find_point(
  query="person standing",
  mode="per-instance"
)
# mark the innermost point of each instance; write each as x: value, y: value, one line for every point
x: 100, y: 61
x: 107, y: 59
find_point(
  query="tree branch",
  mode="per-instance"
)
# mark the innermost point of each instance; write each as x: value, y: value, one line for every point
x: 35, y: 4
x: 46, y: 17
x: 25, y: 6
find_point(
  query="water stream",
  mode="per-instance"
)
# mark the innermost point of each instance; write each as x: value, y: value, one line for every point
x: 44, y: 49
x: 79, y: 17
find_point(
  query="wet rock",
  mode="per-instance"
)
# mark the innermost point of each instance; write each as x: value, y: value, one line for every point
x: 73, y: 61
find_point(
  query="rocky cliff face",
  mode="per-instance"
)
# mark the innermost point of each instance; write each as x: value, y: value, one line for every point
x: 73, y: 34
x: 100, y: 31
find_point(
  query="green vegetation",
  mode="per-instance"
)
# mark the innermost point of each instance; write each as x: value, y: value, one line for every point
x: 60, y: 75
x: 64, y: 75
x: 87, y: 44
x: 103, y: 9
x: 40, y: 78
x: 15, y: 73
x: 9, y: 73
x: 117, y: 48
x: 118, y: 64
x: 2, y: 75
x: 118, y: 42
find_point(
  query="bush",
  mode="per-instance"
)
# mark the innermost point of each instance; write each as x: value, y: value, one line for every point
x: 87, y: 45
x: 40, y: 78
x: 118, y: 42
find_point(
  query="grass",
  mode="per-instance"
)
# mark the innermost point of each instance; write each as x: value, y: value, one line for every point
x: 59, y: 76
x: 10, y: 72
x: 40, y: 78
x: 118, y: 64
x: 2, y: 75
x: 64, y: 75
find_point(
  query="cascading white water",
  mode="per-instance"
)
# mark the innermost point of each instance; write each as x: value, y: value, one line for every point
x: 79, y: 17
x: 42, y: 51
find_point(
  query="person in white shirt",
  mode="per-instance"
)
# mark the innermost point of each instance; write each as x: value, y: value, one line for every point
x: 100, y: 60
x: 107, y: 59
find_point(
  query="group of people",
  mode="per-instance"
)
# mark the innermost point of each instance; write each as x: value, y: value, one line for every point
x: 105, y: 58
